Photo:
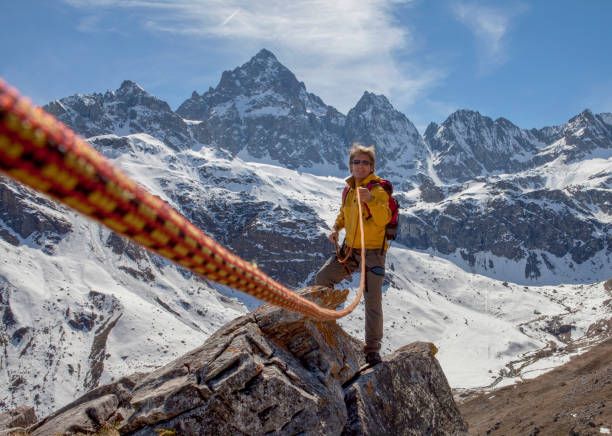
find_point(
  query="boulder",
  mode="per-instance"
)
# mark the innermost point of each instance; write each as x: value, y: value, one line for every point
x: 407, y: 394
x: 14, y: 421
x: 274, y: 372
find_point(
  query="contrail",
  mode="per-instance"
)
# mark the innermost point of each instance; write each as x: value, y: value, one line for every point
x: 230, y: 17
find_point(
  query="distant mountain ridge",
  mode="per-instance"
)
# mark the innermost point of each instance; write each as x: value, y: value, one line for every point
x: 258, y: 163
x: 261, y: 112
x: 260, y: 108
x: 129, y: 109
x: 468, y: 145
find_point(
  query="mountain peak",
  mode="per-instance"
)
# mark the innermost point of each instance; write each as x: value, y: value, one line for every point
x: 129, y: 87
x: 431, y: 130
x: 462, y: 114
x: 262, y: 69
x: 265, y: 55
x: 584, y: 119
x: 262, y: 75
x: 369, y: 99
x: 585, y: 115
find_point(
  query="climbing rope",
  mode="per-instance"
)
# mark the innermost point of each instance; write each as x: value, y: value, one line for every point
x: 43, y: 153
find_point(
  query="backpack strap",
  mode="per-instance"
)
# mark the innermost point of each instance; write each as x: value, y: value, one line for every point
x: 345, y: 192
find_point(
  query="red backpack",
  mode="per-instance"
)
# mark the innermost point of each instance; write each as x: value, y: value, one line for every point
x: 391, y: 227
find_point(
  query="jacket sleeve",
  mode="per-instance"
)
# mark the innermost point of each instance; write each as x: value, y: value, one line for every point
x: 379, y: 206
x: 339, y: 224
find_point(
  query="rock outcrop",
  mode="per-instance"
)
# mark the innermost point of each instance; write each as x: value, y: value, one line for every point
x: 261, y: 109
x: 129, y: 109
x: 274, y: 372
x: 16, y: 420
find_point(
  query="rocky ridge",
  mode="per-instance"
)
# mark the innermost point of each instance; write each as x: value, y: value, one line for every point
x: 469, y: 146
x: 496, y: 193
x: 274, y: 372
x: 548, y: 232
x: 261, y: 109
x: 129, y: 109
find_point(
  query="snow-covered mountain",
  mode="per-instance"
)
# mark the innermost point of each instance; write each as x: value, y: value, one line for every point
x: 261, y: 112
x: 129, y: 109
x: 469, y: 145
x: 505, y: 195
x: 401, y: 151
x: 504, y: 244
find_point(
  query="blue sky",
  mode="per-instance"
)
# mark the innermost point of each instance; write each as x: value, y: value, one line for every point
x: 536, y: 63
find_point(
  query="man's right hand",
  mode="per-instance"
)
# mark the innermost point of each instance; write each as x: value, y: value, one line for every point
x: 333, y: 237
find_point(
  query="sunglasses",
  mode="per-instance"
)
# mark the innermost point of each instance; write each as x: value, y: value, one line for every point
x: 364, y: 162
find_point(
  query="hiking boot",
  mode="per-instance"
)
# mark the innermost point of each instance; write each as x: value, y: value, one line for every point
x: 373, y: 358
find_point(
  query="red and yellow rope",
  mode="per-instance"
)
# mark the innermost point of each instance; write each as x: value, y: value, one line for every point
x: 44, y: 154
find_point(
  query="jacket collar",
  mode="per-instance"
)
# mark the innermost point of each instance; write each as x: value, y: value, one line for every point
x: 371, y: 178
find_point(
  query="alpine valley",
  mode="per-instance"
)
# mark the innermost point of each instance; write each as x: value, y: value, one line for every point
x: 504, y: 248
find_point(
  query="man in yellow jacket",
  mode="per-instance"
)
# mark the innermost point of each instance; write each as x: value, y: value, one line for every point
x: 375, y: 217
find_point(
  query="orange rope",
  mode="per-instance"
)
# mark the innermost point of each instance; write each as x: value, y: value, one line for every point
x: 44, y: 154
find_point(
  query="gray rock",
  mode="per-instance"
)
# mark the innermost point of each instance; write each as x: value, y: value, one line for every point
x: 405, y: 395
x: 261, y: 108
x: 400, y: 149
x: 468, y: 145
x: 14, y: 421
x: 430, y: 193
x: 273, y: 372
x: 513, y: 224
x: 30, y: 215
x: 128, y: 109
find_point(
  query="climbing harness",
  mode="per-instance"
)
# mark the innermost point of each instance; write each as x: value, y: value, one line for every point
x: 43, y: 153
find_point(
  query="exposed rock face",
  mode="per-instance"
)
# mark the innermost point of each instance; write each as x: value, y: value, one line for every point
x: 400, y: 149
x: 262, y: 109
x: 240, y: 221
x: 16, y: 420
x: 27, y: 215
x: 274, y: 372
x: 430, y: 193
x: 375, y: 405
x: 516, y: 218
x: 468, y: 145
x: 578, y: 138
x: 129, y: 109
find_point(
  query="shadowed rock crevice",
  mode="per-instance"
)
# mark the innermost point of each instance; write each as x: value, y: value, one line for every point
x: 274, y: 372
x: 97, y: 354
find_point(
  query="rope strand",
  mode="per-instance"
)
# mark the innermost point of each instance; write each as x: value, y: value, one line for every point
x: 43, y: 153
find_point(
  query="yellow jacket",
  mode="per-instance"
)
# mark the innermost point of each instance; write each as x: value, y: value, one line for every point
x: 374, y: 226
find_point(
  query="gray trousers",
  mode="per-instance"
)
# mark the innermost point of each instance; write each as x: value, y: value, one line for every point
x: 333, y: 272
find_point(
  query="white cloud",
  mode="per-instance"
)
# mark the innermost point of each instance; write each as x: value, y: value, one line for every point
x: 490, y: 25
x: 338, y: 48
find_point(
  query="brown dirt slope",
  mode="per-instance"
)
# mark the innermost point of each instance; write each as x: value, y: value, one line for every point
x: 574, y: 399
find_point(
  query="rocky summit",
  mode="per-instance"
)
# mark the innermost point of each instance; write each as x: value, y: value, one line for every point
x: 272, y: 372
